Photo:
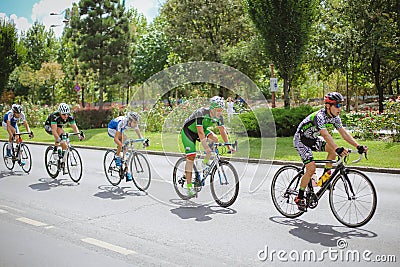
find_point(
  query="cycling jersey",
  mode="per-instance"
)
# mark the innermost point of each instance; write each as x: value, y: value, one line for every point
x: 309, y: 128
x: 13, y: 120
x: 189, y: 134
x: 307, y: 137
x: 119, y: 124
x: 55, y: 118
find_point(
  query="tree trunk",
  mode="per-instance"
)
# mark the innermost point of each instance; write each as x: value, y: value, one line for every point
x: 286, y: 93
x: 376, y: 67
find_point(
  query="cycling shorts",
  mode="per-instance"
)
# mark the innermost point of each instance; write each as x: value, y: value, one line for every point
x: 189, y: 139
x: 305, y: 151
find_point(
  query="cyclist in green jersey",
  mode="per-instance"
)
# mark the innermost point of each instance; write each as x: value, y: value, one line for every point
x: 196, y: 129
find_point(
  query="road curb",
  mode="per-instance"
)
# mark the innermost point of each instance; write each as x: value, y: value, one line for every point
x: 251, y: 160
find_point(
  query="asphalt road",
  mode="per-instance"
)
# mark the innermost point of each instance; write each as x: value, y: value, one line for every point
x: 46, y: 222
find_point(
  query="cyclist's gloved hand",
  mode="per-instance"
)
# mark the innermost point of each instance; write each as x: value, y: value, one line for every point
x: 339, y: 150
x: 81, y: 136
x: 31, y: 135
x: 362, y: 149
x: 146, y: 143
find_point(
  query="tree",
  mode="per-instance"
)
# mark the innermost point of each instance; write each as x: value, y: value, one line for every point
x: 50, y: 74
x: 199, y: 30
x: 285, y: 26
x: 8, y: 51
x: 377, y: 23
x: 41, y: 45
x: 103, y: 40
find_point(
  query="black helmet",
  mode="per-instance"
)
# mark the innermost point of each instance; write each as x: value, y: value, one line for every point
x: 333, y: 98
x: 16, y: 108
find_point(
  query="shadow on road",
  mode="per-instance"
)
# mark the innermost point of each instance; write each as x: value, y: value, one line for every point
x: 201, y: 213
x: 49, y: 183
x: 325, y: 235
x: 117, y: 192
x: 4, y: 174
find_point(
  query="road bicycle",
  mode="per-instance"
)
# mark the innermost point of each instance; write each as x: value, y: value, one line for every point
x: 352, y: 195
x: 70, y: 163
x: 19, y: 153
x: 224, y: 180
x: 139, y: 166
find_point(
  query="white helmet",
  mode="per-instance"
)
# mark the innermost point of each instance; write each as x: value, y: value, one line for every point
x: 131, y: 115
x: 217, y: 102
x: 63, y: 108
x: 16, y: 108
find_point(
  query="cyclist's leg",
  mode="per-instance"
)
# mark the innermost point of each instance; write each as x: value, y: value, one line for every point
x: 306, y: 156
x: 190, y: 151
x: 11, y: 131
x: 112, y: 133
x: 211, y: 136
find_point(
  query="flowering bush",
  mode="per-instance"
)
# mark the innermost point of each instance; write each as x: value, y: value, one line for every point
x: 371, y: 125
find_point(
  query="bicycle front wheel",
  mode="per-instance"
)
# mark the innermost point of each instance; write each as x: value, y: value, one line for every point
x: 26, y: 158
x: 74, y: 165
x: 353, y: 198
x: 8, y: 161
x: 140, y: 170
x: 111, y: 170
x: 284, y: 189
x: 224, y: 184
x: 51, y: 162
x: 179, y: 178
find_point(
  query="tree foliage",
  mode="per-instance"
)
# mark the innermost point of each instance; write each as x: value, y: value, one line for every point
x: 8, y: 51
x: 199, y: 30
x: 285, y: 27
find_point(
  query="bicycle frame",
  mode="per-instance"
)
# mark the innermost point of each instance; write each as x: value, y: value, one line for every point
x: 215, y: 163
x: 339, y: 169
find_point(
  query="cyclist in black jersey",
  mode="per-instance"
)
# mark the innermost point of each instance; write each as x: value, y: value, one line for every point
x: 54, y: 125
x: 312, y: 135
x: 195, y: 129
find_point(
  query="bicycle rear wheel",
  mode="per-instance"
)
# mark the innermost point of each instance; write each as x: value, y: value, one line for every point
x: 8, y: 161
x: 284, y: 189
x: 74, y: 165
x: 111, y: 170
x: 224, y: 184
x: 179, y: 178
x: 353, y: 210
x: 140, y: 170
x: 51, y: 162
x: 26, y: 158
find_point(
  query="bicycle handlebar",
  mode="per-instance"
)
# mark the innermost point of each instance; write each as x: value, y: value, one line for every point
x: 341, y: 159
x: 23, y: 133
x: 131, y: 141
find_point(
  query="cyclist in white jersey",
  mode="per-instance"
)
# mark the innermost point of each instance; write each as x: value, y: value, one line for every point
x: 9, y: 123
x: 312, y: 135
x: 116, y: 129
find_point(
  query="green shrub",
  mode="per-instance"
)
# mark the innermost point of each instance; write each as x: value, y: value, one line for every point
x: 261, y: 123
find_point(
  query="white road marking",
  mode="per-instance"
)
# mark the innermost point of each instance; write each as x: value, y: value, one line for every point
x: 31, y: 222
x: 108, y: 246
x: 11, y: 208
x: 3, y: 211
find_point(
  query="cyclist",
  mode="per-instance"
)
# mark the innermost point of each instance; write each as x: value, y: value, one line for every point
x: 54, y: 126
x: 195, y: 129
x: 312, y: 135
x: 10, y: 125
x: 116, y: 128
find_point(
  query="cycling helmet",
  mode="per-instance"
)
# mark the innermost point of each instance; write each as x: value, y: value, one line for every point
x: 64, y: 108
x: 333, y: 98
x: 131, y: 115
x: 217, y: 102
x: 16, y: 108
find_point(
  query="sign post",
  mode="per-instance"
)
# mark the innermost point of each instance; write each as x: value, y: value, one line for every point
x: 273, y: 85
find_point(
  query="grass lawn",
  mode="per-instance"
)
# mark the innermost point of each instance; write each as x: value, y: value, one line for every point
x: 381, y: 154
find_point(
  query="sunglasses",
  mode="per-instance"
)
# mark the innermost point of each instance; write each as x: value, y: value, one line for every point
x: 338, y: 105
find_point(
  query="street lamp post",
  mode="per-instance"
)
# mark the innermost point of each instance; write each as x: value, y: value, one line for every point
x: 66, y: 21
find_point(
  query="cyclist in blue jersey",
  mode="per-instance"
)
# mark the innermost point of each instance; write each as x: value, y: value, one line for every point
x: 312, y: 135
x: 116, y: 128
x: 10, y: 120
x: 195, y: 129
